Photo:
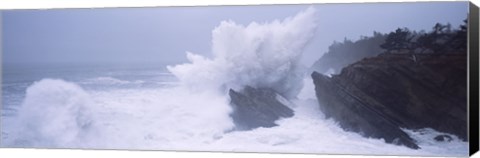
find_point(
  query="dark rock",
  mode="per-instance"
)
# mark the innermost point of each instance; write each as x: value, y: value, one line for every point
x: 356, y: 115
x: 256, y: 107
x: 378, y: 96
x: 443, y: 137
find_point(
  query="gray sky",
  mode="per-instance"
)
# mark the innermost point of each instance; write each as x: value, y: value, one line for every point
x: 163, y: 34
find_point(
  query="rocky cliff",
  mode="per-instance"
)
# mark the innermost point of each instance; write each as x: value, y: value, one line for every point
x: 378, y: 96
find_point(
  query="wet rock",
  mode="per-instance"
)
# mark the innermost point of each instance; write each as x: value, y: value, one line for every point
x: 356, y: 115
x: 257, y: 107
x: 443, y: 138
x: 378, y: 96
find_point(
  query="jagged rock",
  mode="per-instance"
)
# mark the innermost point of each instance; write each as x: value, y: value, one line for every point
x: 257, y: 107
x: 443, y: 137
x: 354, y: 114
x: 378, y: 96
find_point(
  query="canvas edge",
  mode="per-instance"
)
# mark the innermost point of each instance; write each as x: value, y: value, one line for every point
x: 473, y: 77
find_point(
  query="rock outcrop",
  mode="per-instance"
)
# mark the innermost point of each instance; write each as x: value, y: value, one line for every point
x: 257, y: 107
x: 378, y: 96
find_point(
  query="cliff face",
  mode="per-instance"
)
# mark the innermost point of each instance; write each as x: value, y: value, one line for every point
x: 257, y: 107
x: 378, y: 96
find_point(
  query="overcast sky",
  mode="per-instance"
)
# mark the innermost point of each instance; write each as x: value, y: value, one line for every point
x: 163, y: 34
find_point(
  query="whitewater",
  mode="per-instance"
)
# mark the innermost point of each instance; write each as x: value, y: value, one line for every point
x: 186, y: 106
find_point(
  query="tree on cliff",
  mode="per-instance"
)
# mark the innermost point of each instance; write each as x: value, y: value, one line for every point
x: 437, y: 39
x: 459, y: 40
x: 340, y: 54
x: 441, y: 39
x: 399, y: 40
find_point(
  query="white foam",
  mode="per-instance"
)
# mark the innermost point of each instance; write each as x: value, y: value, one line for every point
x: 54, y: 113
x: 177, y: 118
x: 308, y: 90
x: 425, y: 139
x: 260, y: 55
x: 160, y: 119
x: 330, y: 72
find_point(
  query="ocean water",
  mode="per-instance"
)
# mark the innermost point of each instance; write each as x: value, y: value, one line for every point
x: 146, y: 108
x: 185, y: 106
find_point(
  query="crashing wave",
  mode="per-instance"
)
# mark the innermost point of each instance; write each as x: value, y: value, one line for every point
x: 54, y: 113
x: 261, y: 55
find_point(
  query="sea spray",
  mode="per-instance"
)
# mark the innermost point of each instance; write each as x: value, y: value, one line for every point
x: 170, y: 118
x: 54, y: 113
x: 261, y: 55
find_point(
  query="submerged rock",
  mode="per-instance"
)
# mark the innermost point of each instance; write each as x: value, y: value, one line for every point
x: 443, y: 138
x: 257, y: 107
x: 378, y: 96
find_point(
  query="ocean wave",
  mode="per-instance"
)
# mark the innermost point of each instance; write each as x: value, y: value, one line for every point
x: 110, y: 81
x: 60, y: 114
x: 54, y: 113
x: 263, y: 55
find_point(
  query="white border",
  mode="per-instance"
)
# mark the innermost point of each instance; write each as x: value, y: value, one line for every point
x: 48, y: 4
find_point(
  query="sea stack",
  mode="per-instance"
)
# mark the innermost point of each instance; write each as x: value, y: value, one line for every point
x: 257, y: 107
